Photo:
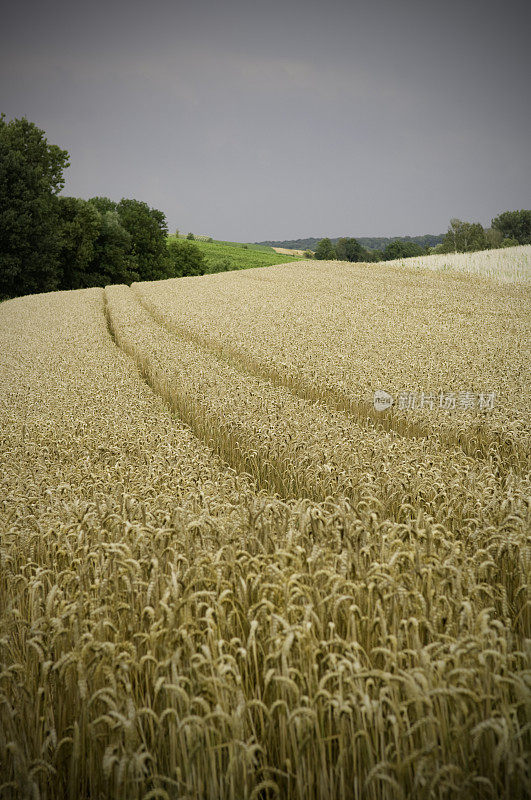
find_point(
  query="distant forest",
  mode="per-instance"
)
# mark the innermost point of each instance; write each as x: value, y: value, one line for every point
x: 371, y: 242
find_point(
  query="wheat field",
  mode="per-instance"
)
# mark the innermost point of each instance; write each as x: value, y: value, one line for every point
x: 512, y: 265
x: 288, y: 251
x: 225, y: 575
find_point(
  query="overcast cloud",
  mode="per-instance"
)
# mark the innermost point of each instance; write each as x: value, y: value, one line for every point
x: 252, y: 121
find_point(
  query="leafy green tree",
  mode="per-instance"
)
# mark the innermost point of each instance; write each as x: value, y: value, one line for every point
x: 148, y: 231
x: 368, y: 255
x: 185, y: 258
x: 103, y: 204
x: 221, y: 265
x: 190, y: 236
x: 509, y: 243
x: 112, y: 261
x: 464, y: 237
x: 349, y: 249
x: 80, y: 224
x: 373, y: 256
x: 494, y: 237
x: 477, y: 239
x: 514, y: 225
x: 49, y: 242
x: 400, y: 249
x: 308, y: 254
x: 325, y: 250
x: 31, y: 175
x: 145, y: 254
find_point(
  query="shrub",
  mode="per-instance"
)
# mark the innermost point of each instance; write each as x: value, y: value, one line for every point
x: 185, y: 258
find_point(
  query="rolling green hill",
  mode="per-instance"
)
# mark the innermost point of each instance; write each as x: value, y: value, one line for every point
x: 225, y: 256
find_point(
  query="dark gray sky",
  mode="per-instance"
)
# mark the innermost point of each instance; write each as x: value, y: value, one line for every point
x: 268, y: 120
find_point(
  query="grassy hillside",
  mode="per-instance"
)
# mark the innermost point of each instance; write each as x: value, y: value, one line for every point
x: 226, y: 575
x: 224, y: 256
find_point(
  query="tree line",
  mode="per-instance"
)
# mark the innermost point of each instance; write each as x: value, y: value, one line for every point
x: 508, y: 229
x: 369, y: 242
x: 349, y: 249
x: 50, y: 242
